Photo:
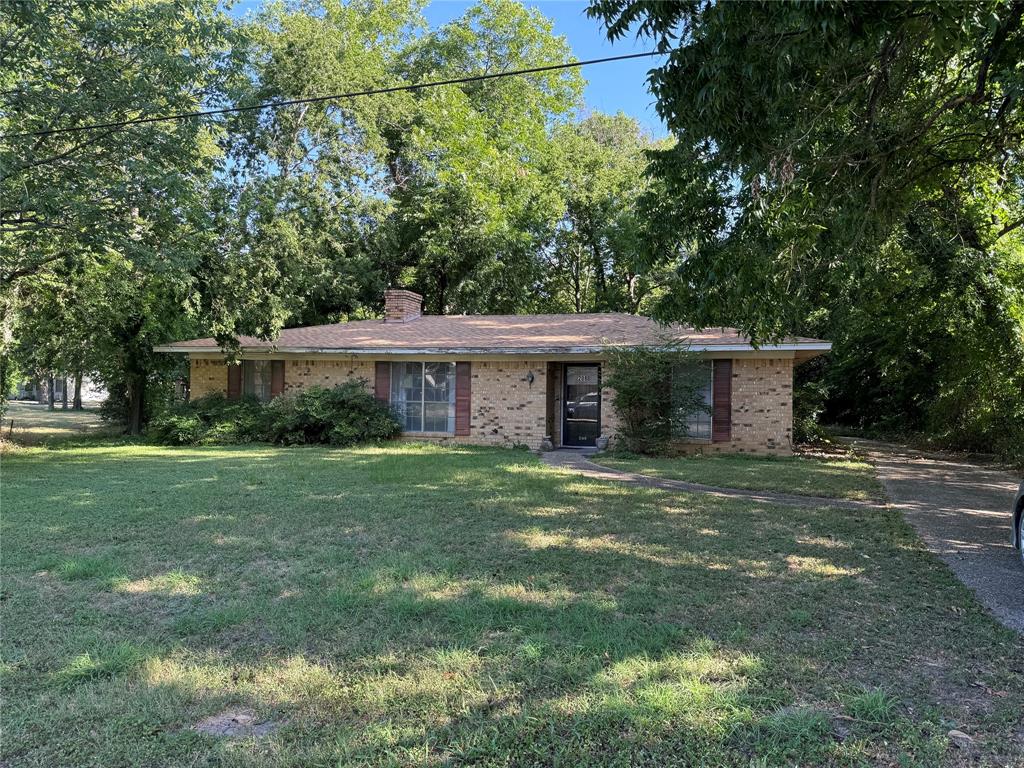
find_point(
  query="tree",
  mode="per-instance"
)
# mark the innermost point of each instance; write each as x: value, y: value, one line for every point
x: 472, y: 202
x: 443, y: 190
x: 128, y: 204
x: 645, y: 379
x: 594, y: 263
x: 303, y: 193
x: 832, y: 152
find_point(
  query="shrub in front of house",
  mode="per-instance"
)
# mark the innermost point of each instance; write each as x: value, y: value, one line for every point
x: 208, y: 420
x: 657, y: 389
x: 342, y: 415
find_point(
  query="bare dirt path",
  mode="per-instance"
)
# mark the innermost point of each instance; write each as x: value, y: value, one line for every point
x: 962, y: 512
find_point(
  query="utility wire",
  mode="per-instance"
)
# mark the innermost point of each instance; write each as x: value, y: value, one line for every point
x: 331, y: 97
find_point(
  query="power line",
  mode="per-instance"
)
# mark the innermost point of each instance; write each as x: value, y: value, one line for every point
x: 331, y: 97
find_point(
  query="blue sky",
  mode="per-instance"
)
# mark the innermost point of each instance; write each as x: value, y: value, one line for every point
x: 612, y: 87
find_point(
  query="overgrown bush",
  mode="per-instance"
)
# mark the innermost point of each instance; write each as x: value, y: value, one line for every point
x: 657, y: 389
x: 808, y: 404
x: 208, y: 420
x: 343, y: 415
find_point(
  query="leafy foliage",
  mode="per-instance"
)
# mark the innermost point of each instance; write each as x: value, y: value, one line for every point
x: 656, y: 390
x: 594, y: 262
x: 106, y: 233
x: 209, y: 420
x: 342, y: 415
x: 852, y: 171
x: 244, y: 224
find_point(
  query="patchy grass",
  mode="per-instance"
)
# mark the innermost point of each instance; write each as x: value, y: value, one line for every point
x: 29, y: 423
x: 832, y: 477
x: 413, y: 605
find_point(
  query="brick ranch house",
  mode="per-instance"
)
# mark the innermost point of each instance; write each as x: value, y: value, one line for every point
x: 511, y: 379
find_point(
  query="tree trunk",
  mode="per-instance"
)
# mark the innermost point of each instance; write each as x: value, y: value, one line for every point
x: 64, y: 393
x: 77, y: 403
x: 136, y: 396
x: 49, y: 392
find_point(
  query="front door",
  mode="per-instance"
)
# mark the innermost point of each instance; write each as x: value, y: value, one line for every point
x: 581, y: 422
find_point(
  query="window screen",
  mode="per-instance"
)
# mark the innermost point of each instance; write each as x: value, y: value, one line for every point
x: 423, y: 396
x: 698, y: 422
x: 256, y: 375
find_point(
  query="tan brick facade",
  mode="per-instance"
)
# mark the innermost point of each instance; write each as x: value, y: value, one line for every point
x: 207, y: 377
x: 762, y: 409
x: 402, y: 306
x: 299, y: 374
x: 609, y: 416
x: 507, y: 409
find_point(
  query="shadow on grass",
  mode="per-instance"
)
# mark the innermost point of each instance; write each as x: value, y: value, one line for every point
x: 419, y: 605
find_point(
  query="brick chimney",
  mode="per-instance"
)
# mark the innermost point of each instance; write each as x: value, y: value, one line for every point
x: 401, y: 306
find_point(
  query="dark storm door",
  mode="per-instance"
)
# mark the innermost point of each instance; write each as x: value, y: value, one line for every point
x: 581, y: 420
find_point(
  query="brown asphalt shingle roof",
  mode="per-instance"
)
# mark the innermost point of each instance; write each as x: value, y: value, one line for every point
x: 483, y: 334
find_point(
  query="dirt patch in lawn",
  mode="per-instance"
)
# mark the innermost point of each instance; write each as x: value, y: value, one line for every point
x: 235, y: 724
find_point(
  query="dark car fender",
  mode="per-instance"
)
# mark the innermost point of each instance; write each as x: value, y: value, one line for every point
x: 1018, y: 510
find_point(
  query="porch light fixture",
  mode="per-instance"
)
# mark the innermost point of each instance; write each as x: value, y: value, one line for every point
x: 529, y: 378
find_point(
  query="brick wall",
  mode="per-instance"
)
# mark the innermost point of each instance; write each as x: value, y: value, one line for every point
x: 402, y: 306
x: 762, y: 409
x: 206, y: 377
x: 325, y: 373
x: 609, y: 416
x: 506, y: 409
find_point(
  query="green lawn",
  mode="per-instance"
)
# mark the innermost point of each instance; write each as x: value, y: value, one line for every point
x: 832, y: 477
x: 413, y: 605
x: 29, y: 423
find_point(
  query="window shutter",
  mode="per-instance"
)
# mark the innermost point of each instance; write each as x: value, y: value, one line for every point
x: 463, y: 397
x: 276, y: 377
x: 382, y: 381
x: 721, y: 401
x: 234, y: 381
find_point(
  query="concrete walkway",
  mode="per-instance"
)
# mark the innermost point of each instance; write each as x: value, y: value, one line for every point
x: 962, y: 512
x: 579, y: 462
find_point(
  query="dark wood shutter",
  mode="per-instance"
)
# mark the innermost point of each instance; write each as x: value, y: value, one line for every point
x: 463, y: 397
x: 276, y: 377
x: 382, y: 381
x: 234, y: 381
x: 721, y: 401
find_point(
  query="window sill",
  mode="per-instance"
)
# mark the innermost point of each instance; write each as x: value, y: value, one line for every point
x: 408, y: 433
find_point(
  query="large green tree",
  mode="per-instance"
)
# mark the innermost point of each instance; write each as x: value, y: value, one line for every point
x: 595, y: 260
x: 443, y: 190
x: 119, y: 216
x: 854, y: 170
x: 472, y: 202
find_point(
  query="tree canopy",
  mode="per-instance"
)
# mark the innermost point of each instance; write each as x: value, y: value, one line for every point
x: 851, y: 170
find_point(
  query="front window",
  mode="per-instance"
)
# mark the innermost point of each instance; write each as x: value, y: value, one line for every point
x: 423, y: 396
x: 697, y: 422
x: 256, y: 379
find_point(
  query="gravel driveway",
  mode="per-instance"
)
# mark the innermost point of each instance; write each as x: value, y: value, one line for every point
x: 962, y: 511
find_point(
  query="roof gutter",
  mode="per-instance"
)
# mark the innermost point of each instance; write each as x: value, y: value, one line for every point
x: 385, y: 351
